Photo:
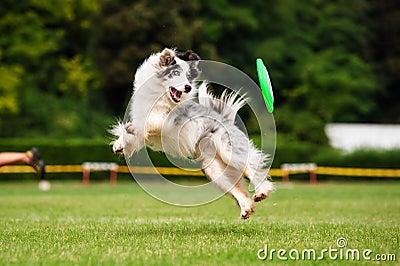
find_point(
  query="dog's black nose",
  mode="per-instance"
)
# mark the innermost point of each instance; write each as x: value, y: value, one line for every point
x: 188, y: 88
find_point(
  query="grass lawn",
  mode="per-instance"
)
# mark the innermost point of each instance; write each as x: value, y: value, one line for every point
x: 122, y: 225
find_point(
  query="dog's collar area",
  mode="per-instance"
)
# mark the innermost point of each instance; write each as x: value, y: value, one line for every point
x: 175, y: 94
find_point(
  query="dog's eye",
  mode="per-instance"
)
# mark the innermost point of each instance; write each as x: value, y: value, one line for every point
x: 176, y: 73
x: 188, y: 75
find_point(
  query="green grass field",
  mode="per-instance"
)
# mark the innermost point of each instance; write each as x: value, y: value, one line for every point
x: 122, y: 225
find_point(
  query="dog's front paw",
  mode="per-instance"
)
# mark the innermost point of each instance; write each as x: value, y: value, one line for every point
x: 119, y: 131
x: 118, y: 146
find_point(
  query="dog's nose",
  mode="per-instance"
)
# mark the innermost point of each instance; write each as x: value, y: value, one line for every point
x: 188, y: 88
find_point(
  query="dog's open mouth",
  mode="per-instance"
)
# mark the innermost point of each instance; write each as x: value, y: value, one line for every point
x: 175, y: 94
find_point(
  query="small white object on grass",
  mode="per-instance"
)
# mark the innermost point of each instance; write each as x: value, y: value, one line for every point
x: 44, y: 185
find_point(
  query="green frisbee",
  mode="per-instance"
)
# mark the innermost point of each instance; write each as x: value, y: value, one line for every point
x: 265, y: 84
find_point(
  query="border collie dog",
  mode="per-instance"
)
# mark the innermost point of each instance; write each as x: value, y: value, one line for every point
x: 169, y: 113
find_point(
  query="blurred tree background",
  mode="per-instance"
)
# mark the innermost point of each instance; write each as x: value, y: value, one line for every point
x: 66, y: 67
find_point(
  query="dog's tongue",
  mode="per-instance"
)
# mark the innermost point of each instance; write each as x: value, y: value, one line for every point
x: 178, y: 94
x: 175, y: 94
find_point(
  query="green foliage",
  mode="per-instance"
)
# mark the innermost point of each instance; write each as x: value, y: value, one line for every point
x: 232, y: 19
x: 10, y: 77
x: 335, y: 87
x: 67, y: 68
x: 80, y: 78
x: 47, y: 75
x: 360, y: 158
x: 299, y: 125
x: 383, y: 52
x: 324, y: 155
x: 316, y: 72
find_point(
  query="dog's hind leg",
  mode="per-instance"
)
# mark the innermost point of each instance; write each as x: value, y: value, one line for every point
x: 259, y: 178
x: 229, y: 180
x: 238, y: 152
x: 246, y: 205
x: 250, y: 164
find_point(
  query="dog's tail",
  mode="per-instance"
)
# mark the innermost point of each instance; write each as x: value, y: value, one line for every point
x: 228, y: 104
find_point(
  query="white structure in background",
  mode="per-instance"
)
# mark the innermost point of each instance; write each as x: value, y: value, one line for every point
x: 349, y: 137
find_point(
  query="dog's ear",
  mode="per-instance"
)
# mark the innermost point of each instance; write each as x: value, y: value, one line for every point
x: 167, y: 58
x: 189, y: 55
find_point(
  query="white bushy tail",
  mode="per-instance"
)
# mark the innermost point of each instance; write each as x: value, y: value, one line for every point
x: 228, y: 104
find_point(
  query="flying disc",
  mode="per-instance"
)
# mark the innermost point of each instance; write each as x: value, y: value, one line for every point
x: 265, y: 84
